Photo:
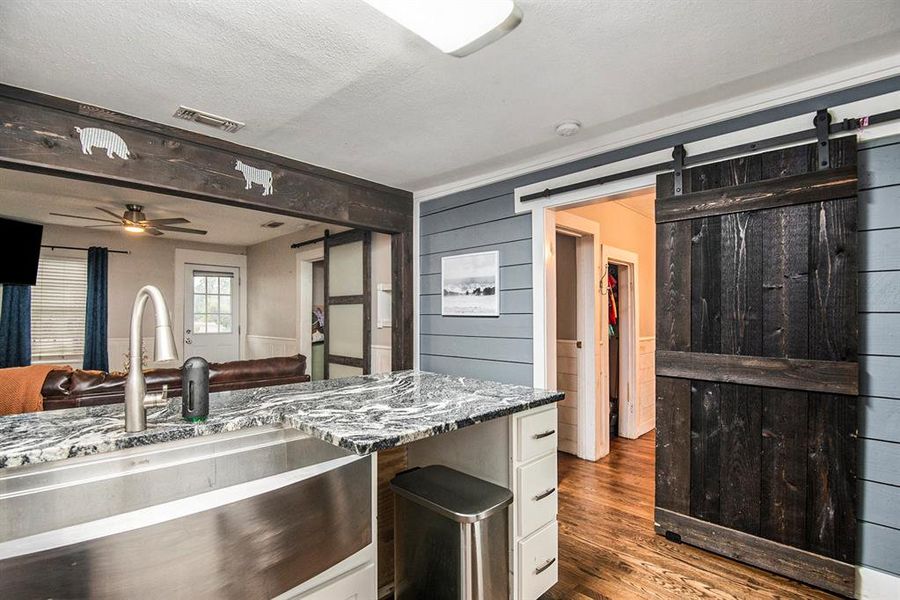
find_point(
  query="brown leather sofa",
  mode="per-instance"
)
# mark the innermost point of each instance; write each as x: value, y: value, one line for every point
x: 72, y: 388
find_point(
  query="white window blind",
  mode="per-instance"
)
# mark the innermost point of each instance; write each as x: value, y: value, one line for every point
x: 57, y: 309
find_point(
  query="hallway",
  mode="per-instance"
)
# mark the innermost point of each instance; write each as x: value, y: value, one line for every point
x: 608, y: 549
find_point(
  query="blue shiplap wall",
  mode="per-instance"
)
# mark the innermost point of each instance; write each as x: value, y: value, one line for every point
x: 498, y: 348
x: 879, y: 280
x: 501, y: 348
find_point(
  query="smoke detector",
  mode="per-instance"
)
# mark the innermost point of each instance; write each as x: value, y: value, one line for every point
x: 205, y: 118
x: 568, y: 128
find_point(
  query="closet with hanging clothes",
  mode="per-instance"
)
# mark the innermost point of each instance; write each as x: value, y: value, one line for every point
x: 612, y: 286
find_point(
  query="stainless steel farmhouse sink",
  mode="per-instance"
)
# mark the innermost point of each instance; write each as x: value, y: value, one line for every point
x: 249, y: 514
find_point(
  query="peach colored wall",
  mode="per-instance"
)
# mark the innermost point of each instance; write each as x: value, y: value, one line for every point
x: 628, y: 225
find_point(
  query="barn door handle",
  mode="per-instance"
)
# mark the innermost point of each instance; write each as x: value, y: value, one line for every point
x: 548, y: 433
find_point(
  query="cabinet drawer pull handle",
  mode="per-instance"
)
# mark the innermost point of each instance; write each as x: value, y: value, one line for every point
x: 548, y: 433
x: 545, y: 566
x: 544, y: 494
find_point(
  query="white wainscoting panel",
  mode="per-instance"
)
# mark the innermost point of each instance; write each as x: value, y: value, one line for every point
x: 646, y: 413
x: 381, y: 359
x: 265, y: 346
x: 567, y: 381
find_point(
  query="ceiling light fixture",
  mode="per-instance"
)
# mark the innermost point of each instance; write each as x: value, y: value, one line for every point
x: 456, y: 27
x: 134, y: 228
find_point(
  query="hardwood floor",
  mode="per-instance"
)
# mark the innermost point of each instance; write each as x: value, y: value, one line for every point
x: 608, y: 549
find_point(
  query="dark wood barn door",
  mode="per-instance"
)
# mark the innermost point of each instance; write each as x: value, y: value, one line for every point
x: 756, y: 364
x: 348, y: 303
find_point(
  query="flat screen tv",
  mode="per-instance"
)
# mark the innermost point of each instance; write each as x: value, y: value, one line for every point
x: 20, y: 249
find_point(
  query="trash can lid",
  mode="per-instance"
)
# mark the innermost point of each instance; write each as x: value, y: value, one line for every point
x: 453, y: 494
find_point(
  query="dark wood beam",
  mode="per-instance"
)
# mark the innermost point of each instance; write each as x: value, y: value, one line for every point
x: 89, y: 110
x: 403, y: 328
x: 42, y: 136
x: 815, y: 186
x: 829, y: 377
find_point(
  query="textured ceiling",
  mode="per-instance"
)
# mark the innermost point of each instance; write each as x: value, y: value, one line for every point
x: 335, y: 83
x: 31, y: 197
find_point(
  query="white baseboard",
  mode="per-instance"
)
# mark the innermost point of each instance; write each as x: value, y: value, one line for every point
x: 872, y: 584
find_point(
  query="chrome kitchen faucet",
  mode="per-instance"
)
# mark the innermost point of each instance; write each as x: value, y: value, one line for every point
x: 137, y: 400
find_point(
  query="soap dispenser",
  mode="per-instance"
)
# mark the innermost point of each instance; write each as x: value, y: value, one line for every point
x: 195, y: 389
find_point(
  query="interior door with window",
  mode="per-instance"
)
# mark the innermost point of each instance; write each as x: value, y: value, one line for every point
x: 211, y: 319
x: 348, y: 304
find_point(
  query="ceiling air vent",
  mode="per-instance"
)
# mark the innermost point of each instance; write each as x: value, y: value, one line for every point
x: 205, y: 118
x: 272, y: 224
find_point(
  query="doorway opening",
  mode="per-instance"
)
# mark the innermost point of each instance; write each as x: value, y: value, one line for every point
x: 603, y: 309
x: 311, y: 308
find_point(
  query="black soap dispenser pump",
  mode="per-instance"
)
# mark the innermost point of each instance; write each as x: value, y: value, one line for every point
x: 195, y: 390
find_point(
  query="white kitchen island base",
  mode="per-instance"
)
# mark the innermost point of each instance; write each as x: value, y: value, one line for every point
x: 519, y: 453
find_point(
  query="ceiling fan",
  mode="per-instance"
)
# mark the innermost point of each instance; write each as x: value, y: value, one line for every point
x: 134, y: 221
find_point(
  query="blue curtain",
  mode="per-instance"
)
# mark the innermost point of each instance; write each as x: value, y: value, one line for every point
x: 95, y: 339
x: 15, y: 326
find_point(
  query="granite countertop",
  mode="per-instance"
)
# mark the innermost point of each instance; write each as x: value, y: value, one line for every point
x: 362, y: 414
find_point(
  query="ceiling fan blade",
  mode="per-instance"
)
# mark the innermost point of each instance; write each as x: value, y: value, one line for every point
x: 182, y: 229
x: 110, y: 213
x: 152, y: 231
x: 95, y: 226
x: 157, y: 222
x: 80, y: 217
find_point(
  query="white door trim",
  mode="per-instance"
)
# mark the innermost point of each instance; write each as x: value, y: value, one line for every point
x: 589, y: 425
x: 543, y: 275
x: 185, y: 257
x: 592, y: 409
x: 628, y: 335
x: 593, y: 424
x: 305, y: 259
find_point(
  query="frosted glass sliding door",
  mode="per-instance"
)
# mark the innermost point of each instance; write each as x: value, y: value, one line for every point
x: 347, y: 304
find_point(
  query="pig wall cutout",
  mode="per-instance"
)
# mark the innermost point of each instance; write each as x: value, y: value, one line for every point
x: 94, y: 137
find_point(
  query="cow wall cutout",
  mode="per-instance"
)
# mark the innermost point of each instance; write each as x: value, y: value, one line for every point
x: 94, y: 137
x: 253, y: 175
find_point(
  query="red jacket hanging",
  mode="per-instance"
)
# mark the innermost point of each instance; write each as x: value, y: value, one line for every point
x: 611, y: 286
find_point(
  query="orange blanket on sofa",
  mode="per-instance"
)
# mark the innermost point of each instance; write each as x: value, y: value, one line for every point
x: 20, y: 388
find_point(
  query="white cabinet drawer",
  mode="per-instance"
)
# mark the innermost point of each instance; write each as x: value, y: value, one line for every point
x: 359, y: 584
x: 537, y: 496
x: 538, y: 565
x: 536, y: 434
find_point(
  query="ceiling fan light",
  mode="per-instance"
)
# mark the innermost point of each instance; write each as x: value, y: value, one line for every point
x: 134, y: 228
x: 456, y: 27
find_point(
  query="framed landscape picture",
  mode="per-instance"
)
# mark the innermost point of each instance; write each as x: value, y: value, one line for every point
x: 470, y: 285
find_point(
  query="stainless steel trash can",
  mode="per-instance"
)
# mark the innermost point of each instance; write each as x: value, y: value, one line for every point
x: 451, y: 536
